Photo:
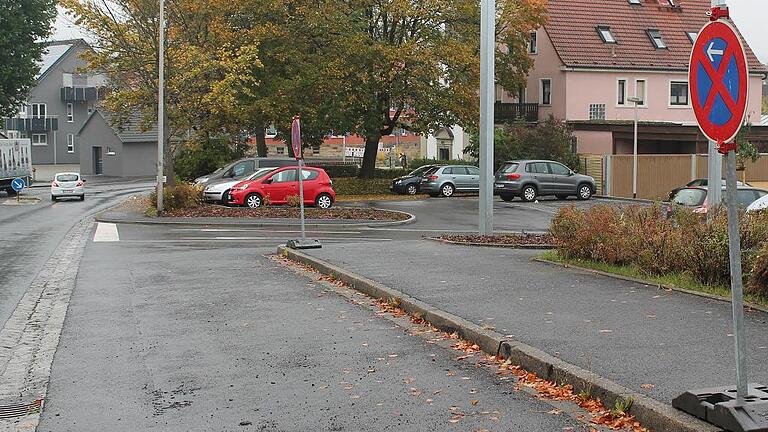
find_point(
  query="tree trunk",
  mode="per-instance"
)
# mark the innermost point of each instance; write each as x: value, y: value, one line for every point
x: 261, y: 142
x: 369, y: 157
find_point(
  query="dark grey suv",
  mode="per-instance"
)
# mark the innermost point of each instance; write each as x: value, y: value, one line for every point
x: 529, y: 179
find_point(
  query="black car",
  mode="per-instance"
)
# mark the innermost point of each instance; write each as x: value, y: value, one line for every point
x: 409, y: 184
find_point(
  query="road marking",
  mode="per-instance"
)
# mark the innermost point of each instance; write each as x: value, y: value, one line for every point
x: 260, y: 230
x: 106, y: 232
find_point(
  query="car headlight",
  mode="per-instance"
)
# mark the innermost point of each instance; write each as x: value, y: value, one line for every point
x: 243, y: 187
x: 398, y: 181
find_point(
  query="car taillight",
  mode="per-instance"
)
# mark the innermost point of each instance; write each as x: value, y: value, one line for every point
x: 80, y: 183
x: 54, y: 184
x: 513, y: 176
x: 432, y: 177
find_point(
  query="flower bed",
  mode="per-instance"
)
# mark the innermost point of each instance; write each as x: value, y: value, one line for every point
x: 270, y: 212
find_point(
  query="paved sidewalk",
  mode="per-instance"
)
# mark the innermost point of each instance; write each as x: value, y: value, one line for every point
x: 655, y: 342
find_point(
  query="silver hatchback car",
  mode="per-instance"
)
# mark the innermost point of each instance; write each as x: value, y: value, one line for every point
x: 529, y: 179
x: 449, y: 179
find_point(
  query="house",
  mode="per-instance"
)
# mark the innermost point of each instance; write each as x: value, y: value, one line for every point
x: 352, y: 146
x: 593, y: 56
x: 125, y: 150
x: 56, y: 107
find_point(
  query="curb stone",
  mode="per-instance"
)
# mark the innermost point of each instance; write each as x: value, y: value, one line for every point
x: 649, y: 412
x: 498, y: 245
x: 747, y: 305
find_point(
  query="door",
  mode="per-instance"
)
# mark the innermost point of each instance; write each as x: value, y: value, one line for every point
x: 280, y: 185
x: 97, y: 161
x: 540, y: 174
x: 562, y: 180
x: 473, y: 181
x: 455, y: 175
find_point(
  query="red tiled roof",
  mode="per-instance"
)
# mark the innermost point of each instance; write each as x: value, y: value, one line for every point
x: 353, y: 140
x: 572, y: 28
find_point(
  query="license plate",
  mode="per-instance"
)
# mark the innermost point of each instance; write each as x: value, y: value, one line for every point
x: 498, y: 186
x: 67, y: 191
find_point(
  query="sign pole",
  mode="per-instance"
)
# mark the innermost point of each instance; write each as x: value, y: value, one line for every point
x: 714, y: 166
x: 301, y: 243
x: 301, y: 197
x: 487, y: 99
x: 161, y: 108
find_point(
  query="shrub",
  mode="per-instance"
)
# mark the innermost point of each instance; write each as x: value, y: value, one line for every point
x: 293, y: 200
x: 181, y: 196
x: 206, y: 154
x: 335, y: 171
x: 758, y: 283
x: 356, y: 186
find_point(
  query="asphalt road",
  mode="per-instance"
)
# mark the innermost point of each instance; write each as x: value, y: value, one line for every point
x: 30, y: 233
x: 184, y: 331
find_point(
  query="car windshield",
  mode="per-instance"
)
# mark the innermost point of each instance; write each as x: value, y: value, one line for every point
x: 66, y: 177
x: 690, y: 197
x: 509, y: 167
x: 260, y: 173
x: 420, y: 170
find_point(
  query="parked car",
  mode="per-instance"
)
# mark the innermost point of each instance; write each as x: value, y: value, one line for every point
x: 449, y: 179
x: 282, y: 183
x: 242, y: 168
x: 218, y: 191
x: 695, y: 198
x: 700, y: 182
x: 67, y: 185
x: 529, y: 179
x: 409, y: 184
x: 759, y: 205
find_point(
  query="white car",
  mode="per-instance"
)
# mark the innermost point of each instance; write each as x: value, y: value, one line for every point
x: 219, y: 192
x: 759, y: 205
x: 67, y: 184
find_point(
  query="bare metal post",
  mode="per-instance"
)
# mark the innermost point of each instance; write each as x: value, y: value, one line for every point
x: 161, y: 107
x: 714, y: 167
x: 487, y: 99
x: 634, y: 100
x: 301, y: 197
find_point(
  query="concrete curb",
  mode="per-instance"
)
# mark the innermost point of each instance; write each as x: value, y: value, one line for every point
x: 650, y: 412
x: 311, y: 224
x: 747, y: 305
x: 498, y: 245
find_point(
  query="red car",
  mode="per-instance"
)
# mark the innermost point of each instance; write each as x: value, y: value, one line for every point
x: 282, y: 183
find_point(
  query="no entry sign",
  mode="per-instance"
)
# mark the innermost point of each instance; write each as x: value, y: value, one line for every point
x: 719, y: 77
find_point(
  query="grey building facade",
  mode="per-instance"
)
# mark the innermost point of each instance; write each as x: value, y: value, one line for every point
x: 57, y: 106
x: 116, y: 150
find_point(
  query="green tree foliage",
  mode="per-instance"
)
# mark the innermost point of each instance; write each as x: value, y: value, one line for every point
x: 24, y: 24
x: 551, y: 139
x: 207, y: 154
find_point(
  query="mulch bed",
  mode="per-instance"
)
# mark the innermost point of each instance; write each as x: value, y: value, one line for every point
x: 514, y: 240
x: 334, y: 213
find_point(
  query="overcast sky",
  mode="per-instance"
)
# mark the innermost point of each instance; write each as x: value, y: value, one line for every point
x: 749, y: 16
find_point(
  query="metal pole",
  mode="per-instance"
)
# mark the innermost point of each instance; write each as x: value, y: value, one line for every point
x: 344, y: 148
x: 737, y: 301
x: 161, y: 107
x: 487, y: 98
x: 634, y: 159
x: 714, y: 167
x: 301, y: 197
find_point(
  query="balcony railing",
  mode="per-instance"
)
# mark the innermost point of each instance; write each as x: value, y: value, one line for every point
x: 32, y: 124
x: 81, y: 94
x: 509, y: 112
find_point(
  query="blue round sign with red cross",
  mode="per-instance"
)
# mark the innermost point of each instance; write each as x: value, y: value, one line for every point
x: 719, y: 78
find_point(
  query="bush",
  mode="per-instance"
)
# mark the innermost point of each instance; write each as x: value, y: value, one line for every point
x: 356, y: 186
x: 336, y: 171
x: 758, y: 283
x: 205, y: 155
x: 181, y: 196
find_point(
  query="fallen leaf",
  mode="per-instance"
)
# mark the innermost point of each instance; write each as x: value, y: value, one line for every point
x: 474, y: 402
x: 647, y: 386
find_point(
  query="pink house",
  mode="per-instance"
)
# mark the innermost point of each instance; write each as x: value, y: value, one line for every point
x: 592, y: 56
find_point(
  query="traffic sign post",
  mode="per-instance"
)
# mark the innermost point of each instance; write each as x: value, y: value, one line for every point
x: 17, y: 185
x: 302, y: 243
x: 718, y: 78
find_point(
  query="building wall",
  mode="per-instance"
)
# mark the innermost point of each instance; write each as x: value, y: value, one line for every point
x: 97, y: 133
x: 547, y: 64
x: 139, y: 159
x: 594, y: 142
x: 441, y: 139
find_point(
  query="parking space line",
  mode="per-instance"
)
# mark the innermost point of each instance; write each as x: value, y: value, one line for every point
x: 106, y: 232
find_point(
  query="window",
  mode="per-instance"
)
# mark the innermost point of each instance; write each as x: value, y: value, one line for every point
x: 558, y: 169
x: 621, y: 92
x: 597, y: 111
x: 605, y: 34
x: 280, y: 150
x: 315, y: 149
x: 288, y: 175
x: 692, y: 36
x: 39, y: 139
x: 110, y: 151
x: 532, y: 48
x: 473, y: 170
x: 640, y: 91
x: 634, y: 2
x: 546, y: 91
x: 678, y: 93
x: 70, y: 113
x: 38, y: 109
x: 509, y: 167
x: 537, y: 168
x: 656, y: 38
x: 70, y: 143
x: 309, y: 174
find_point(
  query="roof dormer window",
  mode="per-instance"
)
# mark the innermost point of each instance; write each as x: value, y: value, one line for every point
x: 692, y: 36
x: 605, y: 34
x: 634, y: 2
x: 656, y: 38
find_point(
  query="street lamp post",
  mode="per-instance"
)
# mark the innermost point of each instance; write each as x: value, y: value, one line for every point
x: 160, y: 107
x: 634, y: 100
x: 487, y: 99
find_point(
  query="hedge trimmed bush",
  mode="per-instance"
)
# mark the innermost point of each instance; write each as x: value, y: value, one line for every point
x: 356, y: 186
x: 644, y: 237
x: 180, y: 196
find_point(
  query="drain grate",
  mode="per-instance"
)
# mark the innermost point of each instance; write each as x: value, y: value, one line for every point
x: 19, y: 410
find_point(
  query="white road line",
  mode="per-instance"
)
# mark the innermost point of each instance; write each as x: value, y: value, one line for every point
x: 260, y: 230
x: 106, y: 232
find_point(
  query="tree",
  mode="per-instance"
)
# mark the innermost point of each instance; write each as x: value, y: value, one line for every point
x: 25, y: 24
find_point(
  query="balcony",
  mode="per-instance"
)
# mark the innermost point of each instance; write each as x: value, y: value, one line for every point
x: 81, y: 94
x: 509, y: 112
x: 32, y: 124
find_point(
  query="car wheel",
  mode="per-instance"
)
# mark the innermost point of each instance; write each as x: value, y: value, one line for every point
x: 82, y: 197
x: 447, y: 190
x: 253, y: 200
x: 53, y: 198
x: 562, y: 197
x: 224, y: 198
x: 585, y: 191
x: 324, y: 201
x: 507, y: 198
x: 528, y: 193
x: 411, y: 189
